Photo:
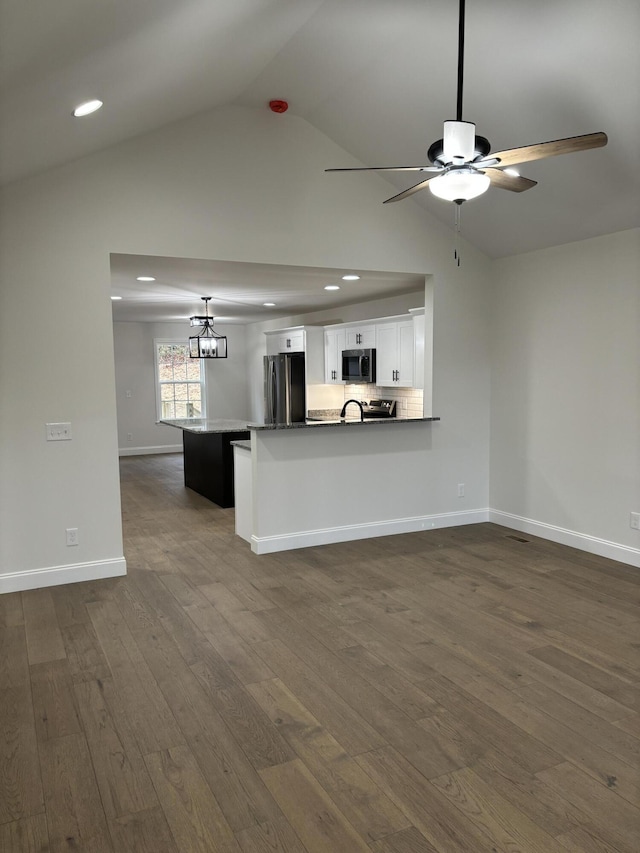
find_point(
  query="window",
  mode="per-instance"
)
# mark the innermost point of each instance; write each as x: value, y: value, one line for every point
x: 179, y: 382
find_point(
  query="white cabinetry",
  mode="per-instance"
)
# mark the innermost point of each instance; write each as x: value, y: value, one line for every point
x: 358, y: 337
x: 395, y: 354
x: 334, y: 343
x: 399, y: 343
x: 285, y: 340
x: 305, y: 339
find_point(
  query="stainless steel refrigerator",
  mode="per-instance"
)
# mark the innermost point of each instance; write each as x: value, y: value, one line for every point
x: 285, y: 399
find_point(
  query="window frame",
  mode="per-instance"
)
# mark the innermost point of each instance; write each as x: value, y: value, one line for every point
x: 157, y: 343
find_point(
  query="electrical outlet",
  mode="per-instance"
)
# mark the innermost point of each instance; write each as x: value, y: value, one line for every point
x: 634, y: 520
x: 58, y: 432
x: 72, y: 536
x: 460, y: 490
x: 129, y: 436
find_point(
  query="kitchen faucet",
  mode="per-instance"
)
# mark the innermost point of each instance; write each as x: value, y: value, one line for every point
x: 358, y: 403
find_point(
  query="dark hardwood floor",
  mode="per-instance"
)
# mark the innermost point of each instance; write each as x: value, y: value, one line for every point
x: 468, y: 690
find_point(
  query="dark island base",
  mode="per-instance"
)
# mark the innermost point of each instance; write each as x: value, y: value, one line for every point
x: 208, y: 464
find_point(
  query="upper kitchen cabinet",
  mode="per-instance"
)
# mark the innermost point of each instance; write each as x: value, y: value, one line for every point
x: 334, y: 343
x: 306, y: 339
x: 286, y: 340
x: 358, y: 337
x: 395, y: 356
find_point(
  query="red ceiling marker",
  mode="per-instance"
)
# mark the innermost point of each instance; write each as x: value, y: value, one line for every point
x: 278, y: 106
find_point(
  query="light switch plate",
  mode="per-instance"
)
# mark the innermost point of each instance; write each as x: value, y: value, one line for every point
x: 58, y: 432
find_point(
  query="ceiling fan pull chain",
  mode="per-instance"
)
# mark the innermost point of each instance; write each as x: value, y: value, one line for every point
x: 456, y: 232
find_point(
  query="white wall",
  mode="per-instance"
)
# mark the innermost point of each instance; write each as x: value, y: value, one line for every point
x: 565, y: 400
x: 233, y: 184
x: 227, y: 385
x: 328, y: 484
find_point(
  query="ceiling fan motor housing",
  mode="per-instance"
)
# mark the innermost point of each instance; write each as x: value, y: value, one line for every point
x: 459, y: 140
x: 439, y: 157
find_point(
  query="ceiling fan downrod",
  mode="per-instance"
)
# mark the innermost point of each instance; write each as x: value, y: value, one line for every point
x: 460, y: 60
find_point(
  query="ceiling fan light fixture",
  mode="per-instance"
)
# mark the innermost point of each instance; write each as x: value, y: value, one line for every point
x: 460, y: 184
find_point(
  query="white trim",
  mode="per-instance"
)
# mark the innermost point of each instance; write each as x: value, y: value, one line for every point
x: 148, y: 451
x: 157, y: 342
x: 582, y: 541
x: 56, y: 575
x: 330, y: 535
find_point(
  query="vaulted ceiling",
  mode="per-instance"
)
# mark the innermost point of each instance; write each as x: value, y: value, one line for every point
x: 377, y: 76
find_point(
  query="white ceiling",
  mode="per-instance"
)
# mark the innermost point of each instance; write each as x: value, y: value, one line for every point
x: 238, y: 290
x: 377, y: 76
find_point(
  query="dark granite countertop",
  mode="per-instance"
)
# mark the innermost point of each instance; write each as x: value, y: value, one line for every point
x: 349, y: 422
x: 204, y: 425
x: 221, y: 425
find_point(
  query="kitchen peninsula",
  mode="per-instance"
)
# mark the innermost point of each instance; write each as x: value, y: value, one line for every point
x: 208, y: 456
x: 319, y: 482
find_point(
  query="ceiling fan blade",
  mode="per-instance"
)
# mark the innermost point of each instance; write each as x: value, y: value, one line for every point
x: 406, y: 193
x: 389, y: 169
x: 549, y: 149
x: 503, y: 181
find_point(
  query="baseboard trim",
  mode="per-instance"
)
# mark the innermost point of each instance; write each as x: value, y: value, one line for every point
x: 149, y: 451
x: 57, y: 575
x: 590, y: 544
x: 349, y: 533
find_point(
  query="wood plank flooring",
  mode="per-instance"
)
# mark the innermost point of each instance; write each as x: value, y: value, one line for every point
x: 467, y: 690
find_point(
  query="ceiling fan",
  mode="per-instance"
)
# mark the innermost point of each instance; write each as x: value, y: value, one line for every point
x: 462, y: 165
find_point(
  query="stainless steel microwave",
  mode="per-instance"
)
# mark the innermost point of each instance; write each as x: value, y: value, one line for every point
x: 358, y: 365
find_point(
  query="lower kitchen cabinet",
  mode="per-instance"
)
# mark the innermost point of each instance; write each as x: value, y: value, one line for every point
x: 208, y: 464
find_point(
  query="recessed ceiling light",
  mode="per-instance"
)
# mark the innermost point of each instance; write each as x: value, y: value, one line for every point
x: 269, y: 304
x: 332, y: 287
x: 513, y: 172
x: 145, y: 278
x: 114, y: 298
x: 350, y: 277
x: 87, y: 108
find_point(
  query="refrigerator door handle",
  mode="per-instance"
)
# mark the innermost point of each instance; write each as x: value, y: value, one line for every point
x: 287, y: 390
x: 270, y: 391
x: 274, y: 414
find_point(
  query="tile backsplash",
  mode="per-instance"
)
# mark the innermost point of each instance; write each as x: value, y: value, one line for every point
x: 409, y: 401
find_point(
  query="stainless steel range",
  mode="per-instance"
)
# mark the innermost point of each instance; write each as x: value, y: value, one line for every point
x: 379, y: 409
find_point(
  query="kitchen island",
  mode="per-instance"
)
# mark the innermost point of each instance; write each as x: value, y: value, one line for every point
x: 320, y: 482
x: 208, y: 455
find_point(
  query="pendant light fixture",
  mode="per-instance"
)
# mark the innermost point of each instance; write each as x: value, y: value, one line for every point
x: 206, y: 344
